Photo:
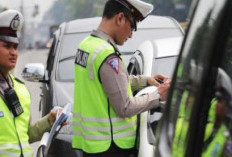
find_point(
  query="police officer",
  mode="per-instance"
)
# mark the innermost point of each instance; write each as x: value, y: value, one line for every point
x: 104, y: 120
x: 218, y: 138
x: 15, y: 128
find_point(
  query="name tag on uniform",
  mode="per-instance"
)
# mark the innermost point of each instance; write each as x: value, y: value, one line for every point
x: 81, y: 58
x: 1, y: 114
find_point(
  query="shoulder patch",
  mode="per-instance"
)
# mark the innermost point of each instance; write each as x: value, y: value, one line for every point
x: 114, y: 64
x: 82, y: 58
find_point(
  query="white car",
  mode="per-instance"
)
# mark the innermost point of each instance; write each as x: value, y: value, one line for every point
x: 159, y: 56
x: 57, y: 88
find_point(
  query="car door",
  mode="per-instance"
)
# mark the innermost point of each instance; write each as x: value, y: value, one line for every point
x: 46, y: 93
x: 202, y: 78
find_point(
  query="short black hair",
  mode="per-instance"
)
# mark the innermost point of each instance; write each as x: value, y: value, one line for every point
x: 112, y: 8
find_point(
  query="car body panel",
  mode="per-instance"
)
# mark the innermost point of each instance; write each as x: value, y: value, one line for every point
x: 153, y: 51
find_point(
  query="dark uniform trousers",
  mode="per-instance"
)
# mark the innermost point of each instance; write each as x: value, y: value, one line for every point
x: 114, y: 151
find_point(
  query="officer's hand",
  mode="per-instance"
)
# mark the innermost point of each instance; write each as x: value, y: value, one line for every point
x: 163, y: 90
x: 157, y: 80
x: 51, y: 117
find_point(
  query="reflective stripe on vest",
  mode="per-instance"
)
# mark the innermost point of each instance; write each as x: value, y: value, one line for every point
x: 10, y: 127
x: 15, y: 150
x: 98, y: 50
x: 95, y: 124
x: 102, y: 129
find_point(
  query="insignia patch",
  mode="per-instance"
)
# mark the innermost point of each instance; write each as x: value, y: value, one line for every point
x: 81, y: 58
x: 114, y: 64
x: 1, y: 114
x: 15, y: 23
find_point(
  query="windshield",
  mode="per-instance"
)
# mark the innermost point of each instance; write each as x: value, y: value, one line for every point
x: 70, y: 44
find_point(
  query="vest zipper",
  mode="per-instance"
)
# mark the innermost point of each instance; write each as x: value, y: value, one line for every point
x: 111, y: 125
x: 20, y: 145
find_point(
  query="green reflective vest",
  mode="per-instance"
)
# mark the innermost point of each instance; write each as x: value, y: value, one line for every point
x: 216, y: 146
x: 95, y: 124
x: 13, y: 130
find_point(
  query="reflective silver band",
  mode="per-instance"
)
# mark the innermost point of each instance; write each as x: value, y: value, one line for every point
x: 94, y: 57
x: 8, y: 153
x: 91, y: 119
x: 104, y: 137
x: 125, y: 134
x: 3, y: 150
x: 91, y: 128
x: 92, y: 137
x: 13, y: 154
x: 14, y: 146
x: 105, y: 129
x: 27, y: 154
x: 9, y: 39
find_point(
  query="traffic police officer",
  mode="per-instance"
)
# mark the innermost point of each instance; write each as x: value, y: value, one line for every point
x: 218, y: 138
x: 15, y: 128
x: 104, y: 120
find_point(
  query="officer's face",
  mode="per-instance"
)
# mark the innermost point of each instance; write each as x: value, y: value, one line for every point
x: 8, y: 55
x: 125, y: 30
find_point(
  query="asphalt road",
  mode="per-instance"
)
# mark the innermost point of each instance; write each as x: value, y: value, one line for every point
x: 31, y: 56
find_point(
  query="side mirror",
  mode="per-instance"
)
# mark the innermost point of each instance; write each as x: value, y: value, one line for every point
x: 34, y: 72
x: 135, y: 66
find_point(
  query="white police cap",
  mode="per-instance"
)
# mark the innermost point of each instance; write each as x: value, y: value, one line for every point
x: 11, y: 22
x: 139, y: 9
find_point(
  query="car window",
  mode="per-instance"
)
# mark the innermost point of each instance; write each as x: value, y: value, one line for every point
x: 148, y: 34
x: 218, y: 126
x: 70, y: 43
x: 164, y: 65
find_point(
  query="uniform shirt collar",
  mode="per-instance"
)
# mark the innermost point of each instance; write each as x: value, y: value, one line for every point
x: 101, y: 34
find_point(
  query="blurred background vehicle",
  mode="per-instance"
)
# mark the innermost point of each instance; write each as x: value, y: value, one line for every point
x: 161, y: 51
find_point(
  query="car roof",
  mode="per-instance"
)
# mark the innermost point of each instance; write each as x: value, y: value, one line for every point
x: 88, y: 24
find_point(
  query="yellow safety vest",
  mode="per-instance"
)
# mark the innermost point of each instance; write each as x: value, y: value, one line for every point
x: 13, y: 131
x: 95, y: 123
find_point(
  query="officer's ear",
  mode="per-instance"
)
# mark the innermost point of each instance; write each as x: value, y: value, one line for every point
x: 120, y: 19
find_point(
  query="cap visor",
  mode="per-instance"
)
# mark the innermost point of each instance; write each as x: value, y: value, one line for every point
x: 9, y: 39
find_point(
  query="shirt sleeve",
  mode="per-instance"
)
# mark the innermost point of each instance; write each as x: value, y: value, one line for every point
x: 36, y: 130
x: 138, y: 81
x: 115, y: 83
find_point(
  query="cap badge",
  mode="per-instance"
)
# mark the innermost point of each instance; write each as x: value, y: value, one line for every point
x: 15, y: 23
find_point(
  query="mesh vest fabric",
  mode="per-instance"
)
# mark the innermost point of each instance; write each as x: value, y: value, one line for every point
x: 10, y: 127
x: 95, y: 123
